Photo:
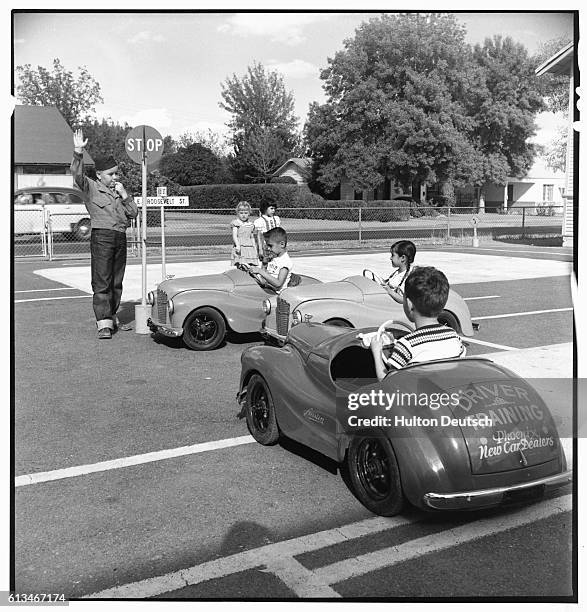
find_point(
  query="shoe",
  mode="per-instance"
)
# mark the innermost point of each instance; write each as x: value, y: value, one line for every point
x: 105, y: 333
x: 123, y: 327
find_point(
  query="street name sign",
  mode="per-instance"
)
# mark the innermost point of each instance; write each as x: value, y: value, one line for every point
x: 153, y: 201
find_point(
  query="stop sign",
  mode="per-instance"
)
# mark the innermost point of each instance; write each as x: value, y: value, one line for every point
x: 146, y: 141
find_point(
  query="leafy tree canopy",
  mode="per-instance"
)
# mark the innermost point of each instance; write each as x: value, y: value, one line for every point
x: 262, y: 116
x: 74, y: 97
x: 554, y: 87
x: 192, y: 165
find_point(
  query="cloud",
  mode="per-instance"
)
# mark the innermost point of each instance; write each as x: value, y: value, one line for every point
x: 146, y: 36
x: 285, y: 28
x: 155, y: 117
x: 296, y: 69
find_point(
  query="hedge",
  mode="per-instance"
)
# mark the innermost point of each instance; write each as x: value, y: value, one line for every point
x: 308, y: 205
x: 227, y: 196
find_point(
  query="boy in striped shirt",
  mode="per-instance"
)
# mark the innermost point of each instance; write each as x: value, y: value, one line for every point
x: 425, y: 295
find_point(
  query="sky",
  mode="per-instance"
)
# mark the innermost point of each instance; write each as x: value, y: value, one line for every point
x: 166, y: 69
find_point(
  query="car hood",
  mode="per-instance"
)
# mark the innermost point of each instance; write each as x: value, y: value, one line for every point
x: 218, y: 282
x: 339, y: 290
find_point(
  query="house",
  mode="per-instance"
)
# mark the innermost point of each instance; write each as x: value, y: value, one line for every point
x: 298, y: 168
x: 563, y: 62
x: 43, y: 147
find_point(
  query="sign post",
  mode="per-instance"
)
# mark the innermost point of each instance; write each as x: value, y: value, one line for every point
x: 162, y: 193
x: 144, y: 145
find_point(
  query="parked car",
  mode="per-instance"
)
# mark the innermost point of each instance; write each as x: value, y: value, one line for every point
x: 304, y: 390
x: 64, y: 206
x: 201, y: 309
x: 356, y: 301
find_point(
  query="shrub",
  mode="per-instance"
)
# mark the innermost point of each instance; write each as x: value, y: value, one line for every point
x: 284, y: 180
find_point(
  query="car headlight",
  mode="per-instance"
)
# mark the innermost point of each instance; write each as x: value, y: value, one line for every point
x: 170, y: 306
x: 266, y: 306
x: 296, y: 317
x: 150, y: 298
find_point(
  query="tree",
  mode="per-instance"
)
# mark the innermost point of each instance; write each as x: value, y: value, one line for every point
x: 107, y: 138
x: 555, y: 88
x: 215, y: 141
x: 262, y: 112
x: 504, y: 108
x: 192, y: 165
x: 395, y: 104
x: 555, y: 152
x: 74, y: 97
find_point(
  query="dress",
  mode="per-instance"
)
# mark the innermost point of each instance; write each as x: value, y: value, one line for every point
x: 397, y: 279
x: 246, y: 240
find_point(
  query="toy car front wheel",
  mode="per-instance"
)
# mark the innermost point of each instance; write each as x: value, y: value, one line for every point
x: 260, y: 412
x: 204, y: 329
x: 373, y: 473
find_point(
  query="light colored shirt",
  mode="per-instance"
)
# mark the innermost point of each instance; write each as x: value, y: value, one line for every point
x: 264, y: 223
x: 276, y: 264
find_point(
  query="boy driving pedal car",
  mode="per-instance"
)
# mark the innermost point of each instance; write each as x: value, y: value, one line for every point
x: 279, y: 270
x: 425, y: 295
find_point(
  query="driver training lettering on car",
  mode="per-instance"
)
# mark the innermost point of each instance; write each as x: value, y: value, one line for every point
x: 387, y: 401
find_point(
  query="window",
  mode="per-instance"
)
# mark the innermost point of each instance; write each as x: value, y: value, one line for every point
x: 547, y: 193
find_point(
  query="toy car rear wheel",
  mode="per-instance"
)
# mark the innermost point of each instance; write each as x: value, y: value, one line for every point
x: 82, y: 230
x: 338, y: 323
x: 373, y: 473
x: 260, y: 412
x: 204, y: 329
x: 447, y: 318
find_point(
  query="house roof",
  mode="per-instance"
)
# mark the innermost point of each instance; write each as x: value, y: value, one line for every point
x: 303, y: 163
x: 42, y: 136
x: 560, y: 63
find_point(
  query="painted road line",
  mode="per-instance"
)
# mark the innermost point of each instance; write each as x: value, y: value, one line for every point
x: 274, y: 557
x: 43, y: 290
x: 60, y: 297
x: 102, y: 466
x: 490, y: 344
x: 266, y: 556
x: 481, y: 297
x: 520, y: 314
x: 386, y: 557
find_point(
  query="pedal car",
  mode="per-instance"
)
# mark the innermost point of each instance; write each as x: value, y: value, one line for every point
x: 320, y: 389
x: 356, y: 301
x: 201, y: 309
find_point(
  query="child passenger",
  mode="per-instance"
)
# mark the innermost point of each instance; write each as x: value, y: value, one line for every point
x: 279, y: 268
x: 402, y: 257
x: 243, y: 236
x: 426, y: 294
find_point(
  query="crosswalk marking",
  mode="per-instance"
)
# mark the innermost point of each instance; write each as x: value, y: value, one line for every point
x: 278, y: 558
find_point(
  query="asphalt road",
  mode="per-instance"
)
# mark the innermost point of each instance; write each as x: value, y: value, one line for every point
x: 250, y: 521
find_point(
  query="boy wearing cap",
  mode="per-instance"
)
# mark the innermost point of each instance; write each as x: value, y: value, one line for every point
x: 110, y: 208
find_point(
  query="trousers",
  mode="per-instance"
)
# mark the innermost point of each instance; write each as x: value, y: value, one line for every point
x: 108, y: 251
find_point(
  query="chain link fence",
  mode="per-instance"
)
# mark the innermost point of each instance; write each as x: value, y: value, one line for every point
x: 188, y: 231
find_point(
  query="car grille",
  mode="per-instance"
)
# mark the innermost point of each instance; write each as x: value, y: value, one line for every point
x: 160, y: 306
x: 282, y: 316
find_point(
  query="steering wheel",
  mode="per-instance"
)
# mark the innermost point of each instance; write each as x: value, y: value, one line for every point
x: 381, y: 330
x: 372, y: 276
x: 242, y: 267
x: 246, y: 268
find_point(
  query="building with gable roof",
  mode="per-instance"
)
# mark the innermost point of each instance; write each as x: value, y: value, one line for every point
x: 563, y: 63
x: 43, y: 148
